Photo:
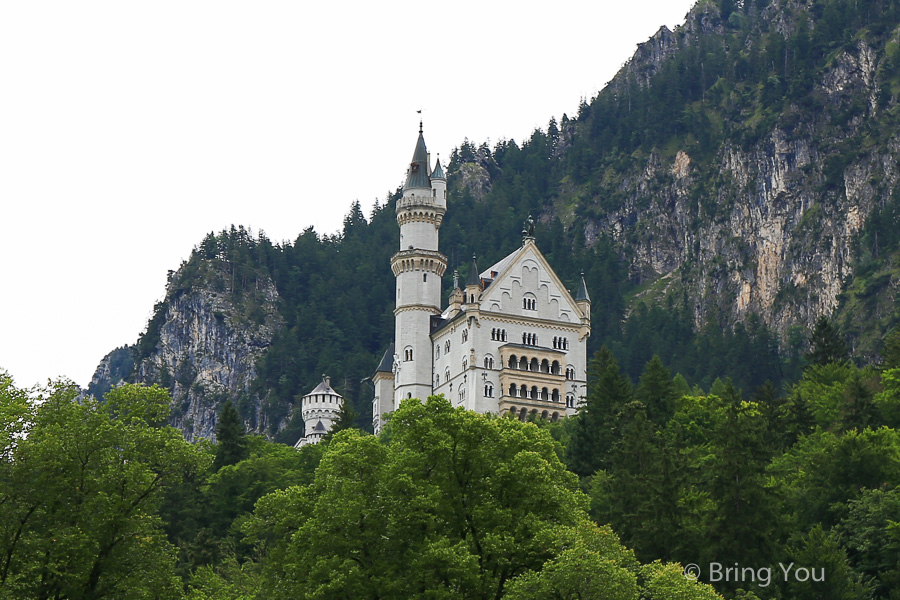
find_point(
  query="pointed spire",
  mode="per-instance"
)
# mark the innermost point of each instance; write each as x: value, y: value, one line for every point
x: 474, y: 277
x: 387, y: 361
x: 582, y: 294
x: 438, y: 172
x: 417, y: 175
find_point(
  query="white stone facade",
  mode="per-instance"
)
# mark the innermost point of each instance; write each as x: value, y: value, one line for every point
x: 513, y: 340
x: 320, y: 409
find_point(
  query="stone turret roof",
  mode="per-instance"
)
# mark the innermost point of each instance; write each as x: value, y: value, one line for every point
x: 319, y: 427
x: 474, y: 278
x: 417, y: 175
x: 324, y: 388
x: 387, y: 361
x: 582, y: 291
x: 438, y: 172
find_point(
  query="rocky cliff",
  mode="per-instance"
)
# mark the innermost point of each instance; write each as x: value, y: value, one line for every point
x: 203, y: 344
x: 776, y: 140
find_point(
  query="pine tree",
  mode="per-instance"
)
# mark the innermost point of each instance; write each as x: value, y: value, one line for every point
x: 825, y: 344
x: 231, y: 438
x: 595, y: 426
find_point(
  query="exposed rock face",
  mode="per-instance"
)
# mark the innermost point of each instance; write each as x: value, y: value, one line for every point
x: 207, y: 348
x: 775, y: 233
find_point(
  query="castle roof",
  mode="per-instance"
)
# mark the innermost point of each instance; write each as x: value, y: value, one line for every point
x: 417, y: 175
x: 582, y: 291
x: 474, y: 278
x: 497, y: 268
x: 324, y: 388
x: 387, y: 361
x: 438, y: 172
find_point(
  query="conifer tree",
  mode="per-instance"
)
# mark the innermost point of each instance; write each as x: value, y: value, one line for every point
x: 825, y: 344
x: 231, y: 438
x: 657, y: 391
x: 594, y: 429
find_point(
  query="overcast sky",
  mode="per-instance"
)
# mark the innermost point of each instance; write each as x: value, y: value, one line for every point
x: 129, y: 130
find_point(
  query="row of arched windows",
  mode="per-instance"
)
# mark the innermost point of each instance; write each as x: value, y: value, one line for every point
x: 498, y: 335
x: 533, y: 393
x: 561, y: 343
x: 545, y: 366
x: 523, y: 413
x: 529, y: 339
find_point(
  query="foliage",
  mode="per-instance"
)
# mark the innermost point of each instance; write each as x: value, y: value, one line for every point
x: 81, y: 492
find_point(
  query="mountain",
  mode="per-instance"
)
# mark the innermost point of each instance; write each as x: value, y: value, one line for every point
x: 734, y: 182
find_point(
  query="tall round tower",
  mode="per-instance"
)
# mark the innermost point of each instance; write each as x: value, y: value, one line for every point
x: 418, y: 268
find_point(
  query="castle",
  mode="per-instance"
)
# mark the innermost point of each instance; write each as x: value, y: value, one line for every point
x: 513, y: 340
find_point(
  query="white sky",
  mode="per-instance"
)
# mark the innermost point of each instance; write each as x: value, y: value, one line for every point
x: 129, y: 130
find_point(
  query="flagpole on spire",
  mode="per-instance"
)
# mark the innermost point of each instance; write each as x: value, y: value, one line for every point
x: 419, y: 112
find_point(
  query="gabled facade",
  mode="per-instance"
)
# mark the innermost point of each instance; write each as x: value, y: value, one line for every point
x: 513, y: 340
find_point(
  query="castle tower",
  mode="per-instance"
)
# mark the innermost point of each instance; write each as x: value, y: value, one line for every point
x: 320, y: 409
x: 418, y: 268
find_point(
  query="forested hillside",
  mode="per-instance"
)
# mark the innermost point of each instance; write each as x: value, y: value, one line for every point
x: 734, y: 183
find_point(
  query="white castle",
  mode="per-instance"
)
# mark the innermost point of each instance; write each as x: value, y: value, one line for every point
x: 514, y: 340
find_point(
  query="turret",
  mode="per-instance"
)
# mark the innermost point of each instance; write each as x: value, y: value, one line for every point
x: 383, y: 380
x: 583, y: 301
x: 320, y: 410
x: 473, y: 284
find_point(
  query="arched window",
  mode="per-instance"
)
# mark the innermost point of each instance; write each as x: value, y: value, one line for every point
x: 437, y: 380
x: 488, y: 390
x: 408, y: 354
x: 545, y: 395
x: 545, y: 366
x: 462, y: 394
x: 570, y: 373
x: 529, y: 302
x: 489, y: 362
x: 465, y: 364
x: 513, y: 362
x: 523, y: 391
x: 554, y: 368
x: 570, y: 401
x: 513, y: 391
x: 447, y: 374
x: 447, y: 347
x: 437, y: 351
x: 555, y: 396
x: 523, y: 364
x: 534, y: 366
x: 534, y: 393
x: 465, y: 335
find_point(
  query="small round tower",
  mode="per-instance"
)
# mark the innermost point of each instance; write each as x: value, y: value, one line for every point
x: 320, y: 409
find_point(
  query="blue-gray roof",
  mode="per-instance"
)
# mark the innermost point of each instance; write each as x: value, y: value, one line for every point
x: 438, y: 172
x: 387, y: 361
x: 417, y: 175
x: 474, y: 279
x: 582, y: 291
